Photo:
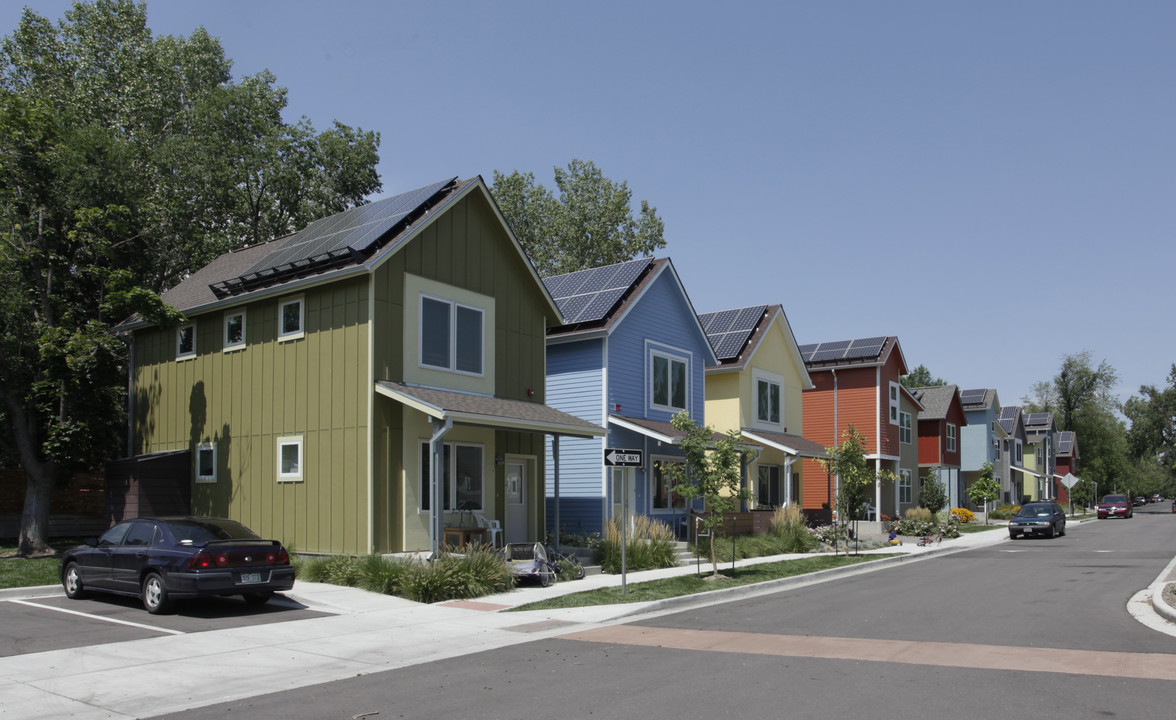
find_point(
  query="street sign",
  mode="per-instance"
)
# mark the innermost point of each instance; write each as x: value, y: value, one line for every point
x: 616, y: 457
x: 1069, y: 481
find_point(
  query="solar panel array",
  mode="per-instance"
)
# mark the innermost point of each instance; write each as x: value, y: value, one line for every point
x: 860, y: 349
x: 351, y: 231
x: 1008, y: 415
x: 972, y: 397
x: 589, y: 295
x: 1034, y: 419
x: 729, y: 330
x: 1065, y: 442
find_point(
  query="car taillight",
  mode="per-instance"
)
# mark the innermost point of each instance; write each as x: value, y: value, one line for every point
x: 201, y: 560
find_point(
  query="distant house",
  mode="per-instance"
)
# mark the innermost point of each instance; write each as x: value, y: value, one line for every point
x: 630, y: 356
x: 855, y: 382
x: 1068, y: 458
x: 981, y: 438
x: 940, y: 424
x: 363, y: 384
x: 756, y: 388
x: 1040, y: 455
x: 1011, y: 469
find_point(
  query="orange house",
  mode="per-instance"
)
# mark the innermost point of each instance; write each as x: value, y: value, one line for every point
x: 855, y: 382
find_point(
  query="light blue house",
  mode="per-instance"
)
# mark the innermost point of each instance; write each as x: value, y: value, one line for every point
x: 631, y: 356
x: 980, y: 439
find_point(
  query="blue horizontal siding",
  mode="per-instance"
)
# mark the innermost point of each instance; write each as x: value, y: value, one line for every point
x: 580, y: 516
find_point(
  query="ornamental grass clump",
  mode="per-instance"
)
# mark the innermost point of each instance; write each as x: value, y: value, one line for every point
x: 650, y: 545
x: 788, y: 524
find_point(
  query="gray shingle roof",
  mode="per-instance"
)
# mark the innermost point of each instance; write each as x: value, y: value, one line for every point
x: 936, y: 401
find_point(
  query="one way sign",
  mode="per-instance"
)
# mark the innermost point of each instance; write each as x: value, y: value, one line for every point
x: 616, y: 457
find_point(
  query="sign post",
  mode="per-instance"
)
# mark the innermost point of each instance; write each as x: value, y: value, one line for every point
x: 617, y: 457
x: 1070, y: 481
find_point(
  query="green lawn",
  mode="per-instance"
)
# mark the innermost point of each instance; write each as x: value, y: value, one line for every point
x: 26, y: 572
x: 691, y: 584
x: 981, y: 527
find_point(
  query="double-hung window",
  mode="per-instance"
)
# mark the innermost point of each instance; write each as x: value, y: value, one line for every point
x: 894, y: 403
x: 904, y: 428
x: 462, y: 481
x: 904, y: 487
x: 768, y: 486
x: 670, y: 376
x: 768, y: 401
x: 951, y: 437
x: 290, y: 320
x: 234, y: 330
x: 1018, y: 449
x: 452, y: 336
x: 664, y: 497
x: 186, y: 342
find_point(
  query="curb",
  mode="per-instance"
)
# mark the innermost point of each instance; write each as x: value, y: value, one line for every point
x: 20, y: 593
x: 1161, y: 606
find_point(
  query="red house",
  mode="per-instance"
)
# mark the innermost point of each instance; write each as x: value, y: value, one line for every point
x: 940, y: 421
x: 1067, y: 462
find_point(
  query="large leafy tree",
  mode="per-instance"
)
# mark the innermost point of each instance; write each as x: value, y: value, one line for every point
x: 590, y: 224
x: 125, y: 160
x: 1153, y: 425
x: 921, y: 377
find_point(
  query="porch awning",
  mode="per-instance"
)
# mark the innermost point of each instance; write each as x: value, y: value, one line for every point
x: 1027, y: 472
x: 487, y: 411
x: 787, y: 443
x: 662, y: 431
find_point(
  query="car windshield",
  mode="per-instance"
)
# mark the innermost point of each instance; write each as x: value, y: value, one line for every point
x: 1035, y: 511
x: 199, y: 531
x: 1112, y: 499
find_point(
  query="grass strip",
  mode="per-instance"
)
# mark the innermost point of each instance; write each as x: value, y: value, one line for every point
x: 693, y: 584
x: 26, y: 572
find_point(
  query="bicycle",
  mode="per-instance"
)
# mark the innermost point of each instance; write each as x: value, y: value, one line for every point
x: 562, y: 563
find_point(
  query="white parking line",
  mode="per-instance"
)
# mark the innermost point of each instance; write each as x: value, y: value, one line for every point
x: 99, y: 617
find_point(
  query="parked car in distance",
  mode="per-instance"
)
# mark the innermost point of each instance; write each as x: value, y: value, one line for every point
x: 161, y: 560
x: 1138, y: 501
x: 1157, y: 498
x: 1038, y: 518
x: 1115, y: 506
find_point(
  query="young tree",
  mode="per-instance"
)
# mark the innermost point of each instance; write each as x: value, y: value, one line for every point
x: 985, y: 490
x: 932, y: 495
x: 590, y: 224
x: 921, y: 377
x: 848, y: 462
x: 711, y: 471
x: 126, y: 159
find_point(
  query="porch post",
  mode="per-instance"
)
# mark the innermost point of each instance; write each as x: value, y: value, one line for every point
x: 555, y: 465
x: 437, y: 476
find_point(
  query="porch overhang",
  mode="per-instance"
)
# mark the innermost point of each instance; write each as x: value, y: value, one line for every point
x: 488, y: 411
x: 789, y: 444
x: 1026, y: 471
x: 665, y: 432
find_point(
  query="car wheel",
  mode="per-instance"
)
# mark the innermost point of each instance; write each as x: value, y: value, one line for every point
x: 71, y: 579
x: 257, y: 598
x: 154, y: 595
x: 1012, y: 536
x: 1051, y: 533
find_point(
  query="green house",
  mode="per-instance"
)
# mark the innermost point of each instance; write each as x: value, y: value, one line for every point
x: 363, y: 385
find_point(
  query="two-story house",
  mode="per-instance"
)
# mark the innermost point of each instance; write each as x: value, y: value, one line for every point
x: 1067, y: 462
x: 980, y: 438
x: 756, y: 387
x: 630, y: 356
x: 359, y: 385
x: 1040, y: 455
x: 940, y: 423
x: 1011, y: 467
x: 855, y: 382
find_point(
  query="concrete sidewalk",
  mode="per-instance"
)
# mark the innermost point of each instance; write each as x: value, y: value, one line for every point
x: 366, y: 633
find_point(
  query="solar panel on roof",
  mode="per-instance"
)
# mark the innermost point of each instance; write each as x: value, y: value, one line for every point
x: 747, y: 318
x: 594, y: 290
x: 1037, y: 419
x: 836, y: 345
x: 827, y: 355
x: 972, y: 397
x: 729, y: 345
x: 1009, y: 412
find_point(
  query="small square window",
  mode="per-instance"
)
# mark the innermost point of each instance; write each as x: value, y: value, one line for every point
x: 186, y: 342
x: 235, y: 330
x: 206, y: 463
x: 290, y: 325
x: 290, y: 459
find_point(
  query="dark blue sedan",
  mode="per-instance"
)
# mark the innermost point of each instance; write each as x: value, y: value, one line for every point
x: 161, y: 560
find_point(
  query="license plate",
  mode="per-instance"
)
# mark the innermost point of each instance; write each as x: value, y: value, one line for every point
x: 250, y: 578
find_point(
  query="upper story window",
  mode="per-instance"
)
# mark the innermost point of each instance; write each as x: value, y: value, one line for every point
x: 186, y: 342
x: 1039, y: 456
x: 769, y: 397
x: 452, y: 335
x: 904, y: 428
x: 234, y: 330
x: 1018, y: 452
x: 894, y: 403
x: 290, y: 319
x: 951, y: 437
x: 670, y: 381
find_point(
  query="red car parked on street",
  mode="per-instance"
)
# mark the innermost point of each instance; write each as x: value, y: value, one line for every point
x: 1115, y: 506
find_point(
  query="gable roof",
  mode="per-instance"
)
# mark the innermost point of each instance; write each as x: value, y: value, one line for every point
x: 348, y: 243
x: 1038, y: 425
x: 936, y: 400
x: 730, y: 331
x: 1067, y: 444
x: 862, y: 352
x: 1010, y: 417
x: 978, y: 399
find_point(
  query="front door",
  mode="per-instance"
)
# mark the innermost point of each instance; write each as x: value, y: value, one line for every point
x: 516, y: 503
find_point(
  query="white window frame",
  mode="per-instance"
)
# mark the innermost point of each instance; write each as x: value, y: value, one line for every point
x: 673, y: 502
x: 780, y: 481
x: 425, y: 480
x: 285, y: 442
x: 952, y: 435
x: 180, y: 354
x: 240, y: 344
x: 895, y: 395
x: 1019, y: 451
x: 771, y: 380
x: 203, y: 448
x: 671, y: 358
x: 906, y: 487
x: 285, y: 335
x: 905, y: 429
x: 454, y: 338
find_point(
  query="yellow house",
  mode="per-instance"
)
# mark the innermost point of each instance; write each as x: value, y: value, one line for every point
x: 756, y: 388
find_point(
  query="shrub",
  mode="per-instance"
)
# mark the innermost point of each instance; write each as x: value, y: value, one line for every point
x: 1004, y: 512
x: 831, y: 534
x: 789, y: 526
x: 343, y: 570
x: 382, y: 575
x: 649, y: 545
x: 963, y: 515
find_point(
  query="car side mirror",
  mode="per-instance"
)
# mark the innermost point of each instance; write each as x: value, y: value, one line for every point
x: 91, y: 541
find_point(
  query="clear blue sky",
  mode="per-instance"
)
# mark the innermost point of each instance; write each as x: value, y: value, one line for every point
x: 994, y: 183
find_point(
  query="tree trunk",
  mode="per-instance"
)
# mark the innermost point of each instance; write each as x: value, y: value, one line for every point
x: 34, y: 520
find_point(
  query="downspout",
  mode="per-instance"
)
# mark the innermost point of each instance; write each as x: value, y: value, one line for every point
x: 437, y: 513
x: 555, y: 465
x: 130, y: 395
x: 829, y: 489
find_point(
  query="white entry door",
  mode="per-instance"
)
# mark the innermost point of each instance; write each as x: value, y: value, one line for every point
x: 516, y: 503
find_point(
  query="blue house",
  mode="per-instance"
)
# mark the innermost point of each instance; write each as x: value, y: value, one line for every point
x: 631, y: 356
x: 980, y: 439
